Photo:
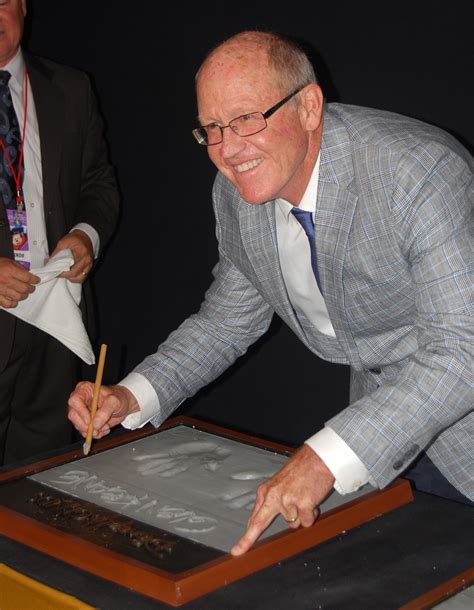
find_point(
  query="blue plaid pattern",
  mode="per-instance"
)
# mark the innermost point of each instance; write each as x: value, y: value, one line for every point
x: 394, y: 242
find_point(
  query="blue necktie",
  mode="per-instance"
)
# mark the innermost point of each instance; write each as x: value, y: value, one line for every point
x: 306, y: 221
x: 11, y: 136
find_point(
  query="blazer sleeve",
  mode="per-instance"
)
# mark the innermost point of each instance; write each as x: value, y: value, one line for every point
x: 232, y: 317
x: 431, y: 393
x: 98, y: 202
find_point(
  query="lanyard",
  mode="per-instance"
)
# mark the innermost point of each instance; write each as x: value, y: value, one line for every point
x: 17, y: 176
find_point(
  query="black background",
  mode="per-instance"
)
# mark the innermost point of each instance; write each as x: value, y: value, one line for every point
x: 409, y: 57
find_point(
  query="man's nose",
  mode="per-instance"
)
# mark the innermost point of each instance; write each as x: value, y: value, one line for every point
x: 231, y: 143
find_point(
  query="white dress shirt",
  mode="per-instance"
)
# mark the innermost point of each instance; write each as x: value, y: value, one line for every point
x: 33, y: 176
x: 295, y: 258
x: 305, y: 296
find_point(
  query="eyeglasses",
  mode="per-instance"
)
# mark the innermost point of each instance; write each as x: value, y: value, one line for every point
x: 243, y: 125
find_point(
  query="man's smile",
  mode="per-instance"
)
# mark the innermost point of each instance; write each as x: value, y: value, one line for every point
x: 244, y: 167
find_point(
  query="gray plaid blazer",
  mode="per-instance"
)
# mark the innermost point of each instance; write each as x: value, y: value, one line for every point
x: 393, y: 239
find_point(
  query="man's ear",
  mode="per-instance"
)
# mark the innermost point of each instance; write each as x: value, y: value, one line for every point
x: 310, y: 107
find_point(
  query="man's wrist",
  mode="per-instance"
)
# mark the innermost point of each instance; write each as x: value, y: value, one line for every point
x: 147, y: 400
x: 130, y: 401
x: 349, y: 472
x: 91, y: 233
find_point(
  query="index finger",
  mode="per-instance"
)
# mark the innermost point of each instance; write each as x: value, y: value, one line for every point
x: 257, y: 524
x: 18, y: 272
x: 106, y: 407
x: 78, y: 405
x: 33, y: 279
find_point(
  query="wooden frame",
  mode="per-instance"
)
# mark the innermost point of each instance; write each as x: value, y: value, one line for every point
x: 178, y: 588
x: 441, y: 593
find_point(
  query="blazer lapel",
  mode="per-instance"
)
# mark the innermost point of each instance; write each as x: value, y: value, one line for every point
x: 50, y: 114
x: 335, y: 209
x: 258, y: 231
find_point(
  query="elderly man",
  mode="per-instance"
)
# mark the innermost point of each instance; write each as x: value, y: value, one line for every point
x: 57, y: 192
x: 353, y: 226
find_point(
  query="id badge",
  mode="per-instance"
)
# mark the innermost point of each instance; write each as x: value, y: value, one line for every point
x: 19, y: 233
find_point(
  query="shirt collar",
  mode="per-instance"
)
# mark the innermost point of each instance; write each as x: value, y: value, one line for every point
x: 308, y: 201
x: 16, y: 67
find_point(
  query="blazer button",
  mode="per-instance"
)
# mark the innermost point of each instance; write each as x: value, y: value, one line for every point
x: 412, y: 452
x: 398, y: 464
x: 2, y: 223
x: 376, y: 370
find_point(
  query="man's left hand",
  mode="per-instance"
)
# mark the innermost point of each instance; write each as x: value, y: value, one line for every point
x: 295, y: 491
x: 81, y: 247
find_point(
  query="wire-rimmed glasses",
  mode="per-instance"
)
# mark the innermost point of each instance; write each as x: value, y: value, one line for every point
x: 244, y: 125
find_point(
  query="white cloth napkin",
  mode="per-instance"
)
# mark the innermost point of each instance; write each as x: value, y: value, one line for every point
x: 54, y: 307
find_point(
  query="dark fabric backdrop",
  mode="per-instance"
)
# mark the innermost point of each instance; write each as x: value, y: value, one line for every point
x: 407, y: 57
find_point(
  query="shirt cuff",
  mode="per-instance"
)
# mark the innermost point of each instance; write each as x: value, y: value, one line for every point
x: 349, y: 472
x: 91, y: 234
x: 147, y: 400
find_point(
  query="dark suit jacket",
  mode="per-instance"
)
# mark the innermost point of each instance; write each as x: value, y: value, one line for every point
x: 78, y: 181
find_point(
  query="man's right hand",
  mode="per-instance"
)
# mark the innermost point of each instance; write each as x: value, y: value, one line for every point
x: 16, y: 283
x: 114, y: 404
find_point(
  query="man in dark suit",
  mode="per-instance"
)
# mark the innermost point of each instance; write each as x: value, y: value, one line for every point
x: 69, y: 197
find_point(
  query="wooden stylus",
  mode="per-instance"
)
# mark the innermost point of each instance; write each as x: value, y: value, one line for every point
x: 86, y: 447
